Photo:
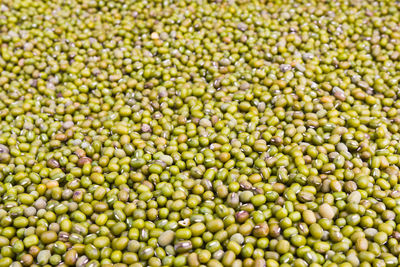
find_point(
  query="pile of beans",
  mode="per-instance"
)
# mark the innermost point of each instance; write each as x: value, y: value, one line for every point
x: 199, y: 133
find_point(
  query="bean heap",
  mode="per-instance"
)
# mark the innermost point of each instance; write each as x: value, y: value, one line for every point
x: 199, y: 133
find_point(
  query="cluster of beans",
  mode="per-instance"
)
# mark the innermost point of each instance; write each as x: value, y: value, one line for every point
x: 199, y: 133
